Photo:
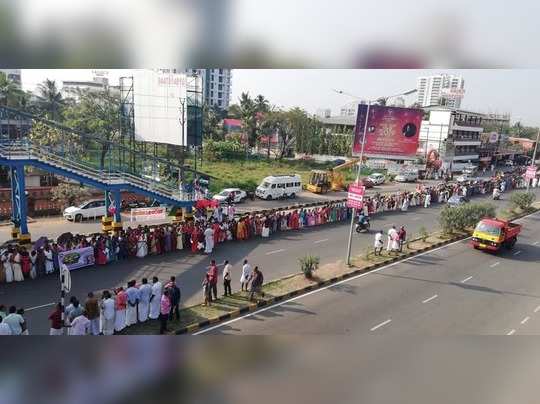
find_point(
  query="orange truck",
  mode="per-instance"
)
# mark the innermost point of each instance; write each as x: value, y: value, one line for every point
x: 493, y: 234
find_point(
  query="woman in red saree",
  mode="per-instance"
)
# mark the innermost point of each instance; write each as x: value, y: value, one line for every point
x: 217, y: 232
x: 194, y: 239
x: 101, y: 257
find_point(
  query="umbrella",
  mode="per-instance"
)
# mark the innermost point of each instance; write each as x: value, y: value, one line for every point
x: 64, y: 238
x: 41, y: 242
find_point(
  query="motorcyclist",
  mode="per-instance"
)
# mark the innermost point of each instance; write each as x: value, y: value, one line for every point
x: 362, y: 220
x: 496, y: 193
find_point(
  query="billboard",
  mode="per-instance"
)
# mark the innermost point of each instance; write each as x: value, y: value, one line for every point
x: 391, y: 131
x: 160, y: 107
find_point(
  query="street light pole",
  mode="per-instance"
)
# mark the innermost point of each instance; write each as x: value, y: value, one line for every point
x: 534, y: 156
x: 349, y: 245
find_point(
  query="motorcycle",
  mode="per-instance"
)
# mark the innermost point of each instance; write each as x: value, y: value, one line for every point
x: 364, y: 226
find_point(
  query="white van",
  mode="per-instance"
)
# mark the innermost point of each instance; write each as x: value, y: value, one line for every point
x: 279, y: 186
x: 87, y: 210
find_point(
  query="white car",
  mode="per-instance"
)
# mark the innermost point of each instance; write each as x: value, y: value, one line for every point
x: 236, y: 195
x: 463, y: 178
x: 509, y: 163
x: 406, y: 177
x: 376, y: 178
x: 86, y: 210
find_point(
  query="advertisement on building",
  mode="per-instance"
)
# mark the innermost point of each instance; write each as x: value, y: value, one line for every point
x: 159, y: 114
x: 391, y: 131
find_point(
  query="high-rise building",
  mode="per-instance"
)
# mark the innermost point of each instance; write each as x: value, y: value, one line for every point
x: 440, y: 89
x: 13, y: 74
x: 216, y: 85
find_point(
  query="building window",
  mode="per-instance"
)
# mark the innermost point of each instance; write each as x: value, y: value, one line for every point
x: 220, y: 87
x: 220, y: 95
x: 220, y: 71
x: 221, y: 79
x: 211, y: 94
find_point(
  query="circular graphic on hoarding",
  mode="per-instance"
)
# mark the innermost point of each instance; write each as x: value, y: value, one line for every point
x: 409, y: 130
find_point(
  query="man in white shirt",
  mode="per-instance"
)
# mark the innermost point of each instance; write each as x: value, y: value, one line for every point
x: 246, y: 273
x: 108, y: 313
x: 4, y: 328
x: 379, y: 243
x: 391, y: 232
x: 80, y: 325
x: 14, y: 321
x: 227, y: 278
x: 155, y: 298
x: 145, y: 291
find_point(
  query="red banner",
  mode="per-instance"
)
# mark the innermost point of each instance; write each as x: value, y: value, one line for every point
x: 391, y: 131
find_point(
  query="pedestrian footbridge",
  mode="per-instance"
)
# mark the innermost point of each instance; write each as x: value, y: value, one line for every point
x: 87, y: 159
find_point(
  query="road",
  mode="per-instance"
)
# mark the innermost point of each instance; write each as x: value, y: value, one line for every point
x: 454, y: 290
x: 277, y: 257
x: 55, y: 226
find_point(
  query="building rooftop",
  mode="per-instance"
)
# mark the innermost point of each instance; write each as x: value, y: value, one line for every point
x: 347, y: 120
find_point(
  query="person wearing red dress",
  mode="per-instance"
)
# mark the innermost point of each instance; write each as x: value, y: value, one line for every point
x: 101, y: 258
x: 194, y: 239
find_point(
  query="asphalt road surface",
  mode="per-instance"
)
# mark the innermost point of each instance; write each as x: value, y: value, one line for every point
x: 453, y: 290
x: 276, y: 256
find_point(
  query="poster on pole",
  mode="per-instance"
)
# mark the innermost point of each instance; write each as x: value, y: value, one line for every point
x: 530, y: 173
x: 77, y: 258
x: 391, y: 131
x: 160, y: 108
x: 355, y: 196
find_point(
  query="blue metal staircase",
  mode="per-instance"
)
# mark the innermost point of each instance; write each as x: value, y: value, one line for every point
x: 110, y: 166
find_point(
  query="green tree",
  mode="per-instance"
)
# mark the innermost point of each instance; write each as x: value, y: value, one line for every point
x: 248, y: 115
x: 43, y: 134
x: 50, y: 101
x: 234, y: 111
x: 212, y: 128
x: 69, y: 194
x: 261, y: 104
x: 460, y: 218
x: 11, y: 94
x: 522, y: 200
x: 96, y: 113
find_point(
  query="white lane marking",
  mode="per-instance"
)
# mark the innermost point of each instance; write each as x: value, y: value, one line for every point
x: 517, y: 252
x: 323, y: 289
x: 430, y: 299
x: 466, y: 279
x: 336, y: 284
x: 40, y: 307
x: 525, y: 320
x: 275, y: 251
x: 511, y: 332
x: 416, y: 218
x: 536, y: 242
x: 494, y: 264
x: 320, y: 241
x: 381, y: 325
x: 537, y: 309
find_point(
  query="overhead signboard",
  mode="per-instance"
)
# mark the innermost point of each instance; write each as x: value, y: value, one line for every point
x: 391, y: 131
x: 160, y: 107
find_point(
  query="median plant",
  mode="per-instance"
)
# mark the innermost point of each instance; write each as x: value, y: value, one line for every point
x: 460, y: 218
x: 522, y: 200
x: 423, y: 234
x: 308, y: 264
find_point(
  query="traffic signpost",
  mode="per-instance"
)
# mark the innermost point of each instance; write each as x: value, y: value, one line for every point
x: 355, y: 196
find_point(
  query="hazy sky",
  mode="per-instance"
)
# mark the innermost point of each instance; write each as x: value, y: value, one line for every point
x: 515, y: 91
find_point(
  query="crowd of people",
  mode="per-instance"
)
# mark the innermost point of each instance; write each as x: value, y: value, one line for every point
x: 212, y: 227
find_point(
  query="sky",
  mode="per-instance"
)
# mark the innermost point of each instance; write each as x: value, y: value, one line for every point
x: 515, y: 91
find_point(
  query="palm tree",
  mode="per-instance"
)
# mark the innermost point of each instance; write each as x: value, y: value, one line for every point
x: 248, y: 115
x: 261, y: 104
x: 50, y: 100
x: 11, y: 94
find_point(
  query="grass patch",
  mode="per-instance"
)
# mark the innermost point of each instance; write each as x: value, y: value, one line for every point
x: 248, y: 174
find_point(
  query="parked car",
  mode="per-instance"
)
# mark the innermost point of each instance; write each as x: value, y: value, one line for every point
x: 377, y: 178
x: 457, y: 200
x: 509, y: 163
x: 234, y: 195
x: 463, y: 178
x: 470, y: 170
x: 406, y: 176
x: 86, y: 210
x: 367, y: 182
x: 279, y: 186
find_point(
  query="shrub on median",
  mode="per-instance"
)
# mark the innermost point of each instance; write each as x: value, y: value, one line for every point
x: 522, y: 200
x: 308, y: 264
x: 460, y: 218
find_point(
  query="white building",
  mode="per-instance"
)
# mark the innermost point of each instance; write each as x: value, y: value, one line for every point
x: 454, y: 134
x: 217, y: 85
x: 440, y: 89
x: 71, y: 89
x: 350, y: 109
x: 13, y: 74
x: 324, y: 113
